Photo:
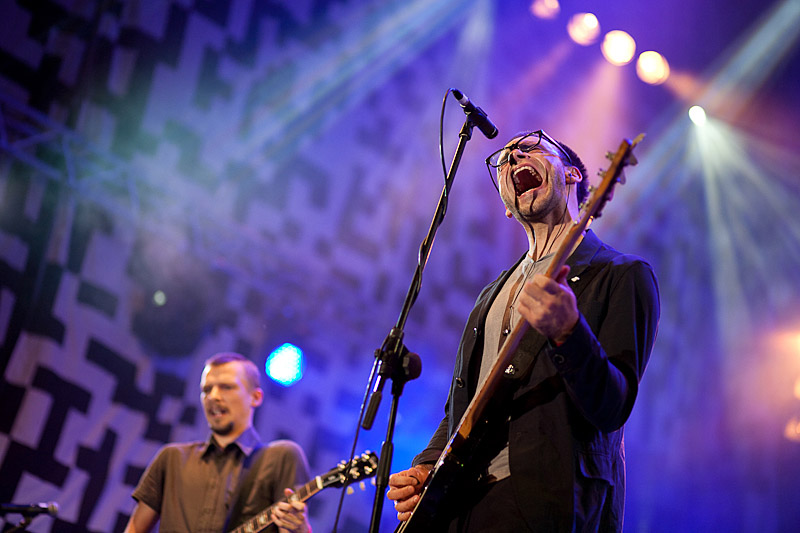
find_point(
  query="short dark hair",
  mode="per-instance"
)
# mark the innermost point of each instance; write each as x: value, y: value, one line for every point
x: 250, y: 368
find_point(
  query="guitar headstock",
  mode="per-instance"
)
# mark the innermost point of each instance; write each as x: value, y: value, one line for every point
x: 604, y: 191
x: 361, y: 467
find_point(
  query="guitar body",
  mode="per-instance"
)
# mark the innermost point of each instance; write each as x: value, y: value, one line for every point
x: 455, y: 477
x: 437, y: 506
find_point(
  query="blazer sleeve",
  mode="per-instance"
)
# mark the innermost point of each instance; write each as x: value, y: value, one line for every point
x: 602, y: 368
x: 435, y: 446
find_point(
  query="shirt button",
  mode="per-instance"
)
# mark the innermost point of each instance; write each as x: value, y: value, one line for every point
x: 506, y: 332
x: 559, y: 359
x: 459, y: 383
x: 475, y: 332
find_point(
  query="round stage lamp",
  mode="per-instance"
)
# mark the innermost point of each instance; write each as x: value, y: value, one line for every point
x: 652, y: 68
x: 618, y: 47
x: 545, y: 9
x: 583, y: 28
x: 285, y: 364
x: 697, y: 115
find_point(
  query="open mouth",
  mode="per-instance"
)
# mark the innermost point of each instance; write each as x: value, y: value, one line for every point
x: 526, y: 179
x: 216, y: 410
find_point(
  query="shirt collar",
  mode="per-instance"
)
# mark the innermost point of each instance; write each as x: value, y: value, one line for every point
x: 247, y: 442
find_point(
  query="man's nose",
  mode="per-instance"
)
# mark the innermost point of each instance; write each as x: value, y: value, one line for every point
x: 514, y: 156
x: 213, y: 392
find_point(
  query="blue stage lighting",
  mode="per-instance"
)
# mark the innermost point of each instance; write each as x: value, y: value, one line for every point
x: 285, y: 364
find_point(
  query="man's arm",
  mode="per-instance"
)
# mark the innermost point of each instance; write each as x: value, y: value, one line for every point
x: 142, y: 520
x: 290, y: 517
x: 601, y: 370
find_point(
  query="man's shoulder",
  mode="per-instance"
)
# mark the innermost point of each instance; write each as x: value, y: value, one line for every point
x: 286, y: 453
x: 181, y: 448
x: 610, y: 255
x: 283, y: 447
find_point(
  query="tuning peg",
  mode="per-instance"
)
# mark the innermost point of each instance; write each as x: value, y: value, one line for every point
x: 350, y: 491
x: 610, y: 156
x: 372, y: 481
x: 362, y: 486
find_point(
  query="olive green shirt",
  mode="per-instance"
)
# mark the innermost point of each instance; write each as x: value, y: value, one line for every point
x: 194, y: 486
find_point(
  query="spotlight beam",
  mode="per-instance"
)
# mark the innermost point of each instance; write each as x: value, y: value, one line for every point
x: 327, y: 83
x: 761, y: 51
x: 731, y: 88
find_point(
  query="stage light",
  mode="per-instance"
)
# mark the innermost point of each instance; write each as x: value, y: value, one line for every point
x: 792, y: 430
x: 618, y: 47
x: 583, y: 28
x: 545, y: 9
x: 159, y: 298
x: 697, y: 114
x: 285, y: 364
x: 652, y: 68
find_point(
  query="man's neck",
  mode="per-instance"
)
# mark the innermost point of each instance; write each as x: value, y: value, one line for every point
x: 224, y: 440
x: 544, y: 239
x: 546, y: 236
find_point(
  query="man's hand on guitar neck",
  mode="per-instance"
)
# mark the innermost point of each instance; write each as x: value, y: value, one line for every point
x: 404, y: 489
x: 549, y: 306
x: 290, y: 517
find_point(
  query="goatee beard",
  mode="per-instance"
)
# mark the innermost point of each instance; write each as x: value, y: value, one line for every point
x: 225, y: 430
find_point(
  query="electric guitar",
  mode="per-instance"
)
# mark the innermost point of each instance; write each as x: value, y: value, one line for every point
x: 455, y: 468
x: 362, y: 467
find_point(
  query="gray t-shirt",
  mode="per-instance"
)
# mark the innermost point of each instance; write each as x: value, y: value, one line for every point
x: 500, y: 321
x: 193, y: 486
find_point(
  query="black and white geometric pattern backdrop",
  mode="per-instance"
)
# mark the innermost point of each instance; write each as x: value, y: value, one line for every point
x: 120, y: 177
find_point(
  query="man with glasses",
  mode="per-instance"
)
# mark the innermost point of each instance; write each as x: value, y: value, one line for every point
x: 554, y: 457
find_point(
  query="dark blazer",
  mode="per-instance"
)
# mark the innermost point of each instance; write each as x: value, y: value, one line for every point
x: 569, y: 402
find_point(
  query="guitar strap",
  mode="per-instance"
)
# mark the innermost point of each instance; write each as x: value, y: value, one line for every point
x: 244, y: 484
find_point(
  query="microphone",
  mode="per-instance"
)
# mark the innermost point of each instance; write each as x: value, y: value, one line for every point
x: 477, y: 115
x: 29, y: 510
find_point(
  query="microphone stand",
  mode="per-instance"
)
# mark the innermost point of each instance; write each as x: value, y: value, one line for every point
x: 393, y: 360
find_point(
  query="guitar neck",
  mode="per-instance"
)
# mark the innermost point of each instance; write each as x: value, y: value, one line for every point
x: 264, y: 519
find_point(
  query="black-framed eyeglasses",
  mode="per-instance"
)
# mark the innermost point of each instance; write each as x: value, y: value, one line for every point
x: 500, y: 157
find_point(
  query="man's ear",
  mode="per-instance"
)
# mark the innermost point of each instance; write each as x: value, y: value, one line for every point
x: 256, y: 397
x: 573, y: 175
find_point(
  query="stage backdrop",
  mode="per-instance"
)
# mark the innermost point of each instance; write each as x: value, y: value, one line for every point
x: 271, y: 168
